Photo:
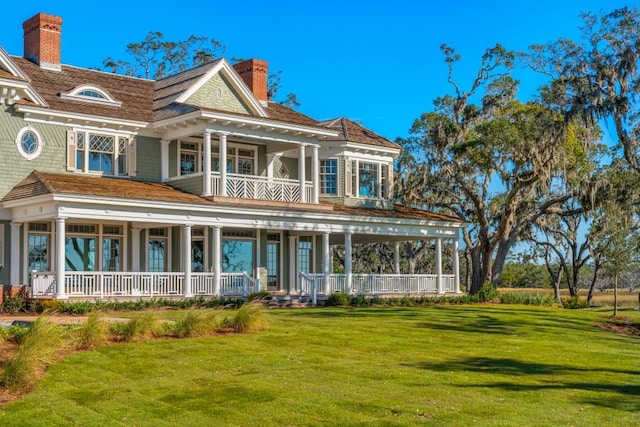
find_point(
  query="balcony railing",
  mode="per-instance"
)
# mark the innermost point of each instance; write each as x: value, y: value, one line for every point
x: 263, y: 188
x: 95, y: 284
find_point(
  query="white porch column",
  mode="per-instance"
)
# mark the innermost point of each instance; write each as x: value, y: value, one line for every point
x: 15, y: 253
x: 164, y: 159
x: 326, y: 263
x: 293, y: 264
x: 315, y: 174
x: 396, y: 258
x: 135, y: 249
x: 347, y: 261
x: 439, y: 266
x: 217, y: 259
x: 302, y: 173
x: 222, y: 152
x: 206, y: 175
x: 60, y: 257
x: 456, y: 266
x: 186, y: 260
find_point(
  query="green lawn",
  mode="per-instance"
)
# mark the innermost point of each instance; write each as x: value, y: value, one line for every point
x: 442, y: 365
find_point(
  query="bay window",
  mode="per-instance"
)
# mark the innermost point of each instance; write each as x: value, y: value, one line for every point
x: 369, y: 179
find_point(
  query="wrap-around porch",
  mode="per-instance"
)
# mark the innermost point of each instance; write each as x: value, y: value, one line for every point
x: 303, y: 278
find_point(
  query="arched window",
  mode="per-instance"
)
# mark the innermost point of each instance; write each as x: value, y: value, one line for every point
x: 90, y: 93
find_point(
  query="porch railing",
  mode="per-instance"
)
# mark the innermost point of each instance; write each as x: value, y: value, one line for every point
x: 91, y: 284
x: 262, y: 188
x: 378, y: 283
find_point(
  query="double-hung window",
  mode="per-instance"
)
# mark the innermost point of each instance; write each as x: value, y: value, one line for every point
x: 329, y: 177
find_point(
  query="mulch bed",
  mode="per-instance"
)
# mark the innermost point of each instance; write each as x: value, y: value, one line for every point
x: 619, y: 325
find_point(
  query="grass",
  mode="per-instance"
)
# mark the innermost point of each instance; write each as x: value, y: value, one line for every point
x: 39, y: 346
x: 485, y: 365
x: 600, y: 299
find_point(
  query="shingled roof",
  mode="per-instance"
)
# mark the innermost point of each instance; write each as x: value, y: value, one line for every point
x: 135, y: 94
x: 147, y: 100
x: 353, y: 132
x: 42, y: 183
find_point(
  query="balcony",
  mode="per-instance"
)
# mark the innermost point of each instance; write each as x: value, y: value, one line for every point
x: 262, y: 188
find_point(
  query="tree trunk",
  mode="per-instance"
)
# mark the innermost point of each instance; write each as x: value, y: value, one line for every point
x: 594, y: 279
x: 476, y: 270
x: 615, y: 294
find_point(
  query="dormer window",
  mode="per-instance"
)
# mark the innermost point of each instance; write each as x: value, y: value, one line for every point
x: 93, y: 94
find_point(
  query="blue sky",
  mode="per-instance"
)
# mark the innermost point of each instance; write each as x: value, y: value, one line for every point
x: 376, y: 62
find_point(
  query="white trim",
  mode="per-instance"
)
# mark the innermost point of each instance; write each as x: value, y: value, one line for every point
x: 229, y: 72
x: 7, y: 63
x: 39, y: 143
x: 46, y: 115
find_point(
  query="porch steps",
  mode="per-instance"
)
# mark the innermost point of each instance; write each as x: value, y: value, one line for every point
x: 290, y: 301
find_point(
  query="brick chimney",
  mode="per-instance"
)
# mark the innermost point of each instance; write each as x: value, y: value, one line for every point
x: 42, y: 40
x: 254, y: 74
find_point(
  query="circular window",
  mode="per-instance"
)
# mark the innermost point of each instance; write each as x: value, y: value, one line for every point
x: 29, y: 143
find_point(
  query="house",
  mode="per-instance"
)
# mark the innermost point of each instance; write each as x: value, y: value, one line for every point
x: 112, y: 186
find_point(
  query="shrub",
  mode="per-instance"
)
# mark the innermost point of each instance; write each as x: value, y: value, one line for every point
x: 139, y: 327
x: 574, y: 303
x: 13, y: 304
x: 195, y: 324
x: 251, y: 317
x: 262, y: 295
x: 39, y: 347
x: 338, y: 299
x: 51, y: 306
x: 92, y: 333
x: 487, y: 293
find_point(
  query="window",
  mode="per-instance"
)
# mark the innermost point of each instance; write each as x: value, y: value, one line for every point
x: 197, y: 249
x: 189, y: 157
x: 368, y: 184
x: 102, y: 153
x: 90, y: 247
x: 38, y: 241
x: 369, y: 179
x: 240, y: 159
x: 88, y: 93
x: 273, y: 261
x: 305, y: 254
x: 29, y: 143
x: 157, y: 250
x: 329, y: 176
x: 238, y: 249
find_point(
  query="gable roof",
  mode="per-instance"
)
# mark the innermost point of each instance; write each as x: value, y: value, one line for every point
x: 179, y: 87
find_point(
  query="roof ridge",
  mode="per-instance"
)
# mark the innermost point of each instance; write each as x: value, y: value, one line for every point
x: 344, y: 127
x: 42, y: 179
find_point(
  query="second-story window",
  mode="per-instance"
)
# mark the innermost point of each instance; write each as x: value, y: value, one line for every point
x: 189, y: 157
x: 329, y: 176
x: 369, y: 179
x: 101, y: 153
